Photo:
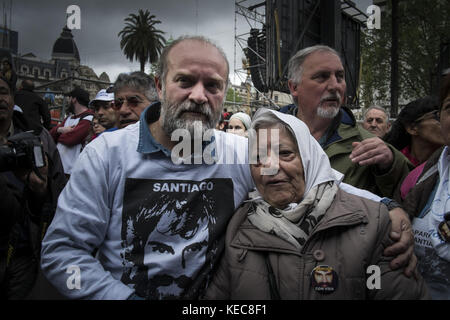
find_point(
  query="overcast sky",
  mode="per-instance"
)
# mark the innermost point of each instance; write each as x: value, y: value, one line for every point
x: 40, y: 22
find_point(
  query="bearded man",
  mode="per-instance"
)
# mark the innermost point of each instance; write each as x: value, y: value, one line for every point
x: 158, y: 225
x: 70, y: 134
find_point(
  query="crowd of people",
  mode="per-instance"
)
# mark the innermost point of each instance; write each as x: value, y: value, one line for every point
x: 298, y: 203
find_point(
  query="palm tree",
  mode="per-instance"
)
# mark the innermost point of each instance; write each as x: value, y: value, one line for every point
x: 140, y: 40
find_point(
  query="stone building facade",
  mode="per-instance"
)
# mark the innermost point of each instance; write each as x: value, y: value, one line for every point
x: 63, y: 71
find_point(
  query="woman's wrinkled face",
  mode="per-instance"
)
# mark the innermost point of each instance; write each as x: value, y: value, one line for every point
x: 287, y: 184
x: 445, y: 120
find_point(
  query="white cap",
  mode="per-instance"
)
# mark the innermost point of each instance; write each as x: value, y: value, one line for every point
x: 102, y: 95
x: 244, y: 118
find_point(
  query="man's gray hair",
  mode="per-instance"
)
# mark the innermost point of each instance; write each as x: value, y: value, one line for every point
x: 163, y: 63
x: 295, y: 66
x: 138, y: 81
x: 377, y: 108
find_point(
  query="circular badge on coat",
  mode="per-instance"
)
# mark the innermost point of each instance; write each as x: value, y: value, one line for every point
x: 324, y: 279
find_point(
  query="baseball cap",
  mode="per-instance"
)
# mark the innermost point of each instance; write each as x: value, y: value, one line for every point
x: 103, y: 95
x: 81, y: 95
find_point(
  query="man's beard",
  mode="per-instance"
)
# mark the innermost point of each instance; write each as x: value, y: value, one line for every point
x: 329, y: 112
x: 171, y: 116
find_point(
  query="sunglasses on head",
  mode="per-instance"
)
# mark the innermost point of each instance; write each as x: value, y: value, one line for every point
x: 132, y: 102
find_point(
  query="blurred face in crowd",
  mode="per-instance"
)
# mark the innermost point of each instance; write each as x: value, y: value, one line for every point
x: 287, y: 185
x: 220, y: 126
x: 106, y: 114
x: 321, y: 91
x: 427, y: 128
x: 237, y: 127
x: 130, y: 103
x: 6, y: 103
x: 194, y: 88
x: 97, y: 127
x: 6, y: 66
x: 445, y: 120
x: 71, y: 105
x: 376, y: 121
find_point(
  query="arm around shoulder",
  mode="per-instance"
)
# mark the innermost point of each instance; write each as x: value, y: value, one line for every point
x: 393, y: 284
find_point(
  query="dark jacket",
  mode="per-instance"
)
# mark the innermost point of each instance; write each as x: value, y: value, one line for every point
x: 32, y: 215
x: 56, y: 177
x: 418, y: 196
x: 12, y: 211
x: 350, y: 237
x: 34, y: 107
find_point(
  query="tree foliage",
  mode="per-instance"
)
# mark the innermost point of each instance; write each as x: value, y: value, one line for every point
x: 140, y: 40
x: 231, y: 98
x: 423, y: 27
x: 230, y: 95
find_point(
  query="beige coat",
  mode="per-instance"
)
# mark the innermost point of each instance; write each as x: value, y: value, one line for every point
x: 351, y: 236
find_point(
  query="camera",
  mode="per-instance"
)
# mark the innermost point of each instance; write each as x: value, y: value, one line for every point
x: 23, y: 151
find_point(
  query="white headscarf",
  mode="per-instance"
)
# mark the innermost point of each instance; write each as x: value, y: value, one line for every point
x: 316, y: 164
x: 295, y: 223
x: 244, y: 118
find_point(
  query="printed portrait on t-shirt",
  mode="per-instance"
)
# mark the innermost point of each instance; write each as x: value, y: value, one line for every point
x: 170, y: 233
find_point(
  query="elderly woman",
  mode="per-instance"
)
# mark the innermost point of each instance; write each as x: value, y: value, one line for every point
x: 239, y: 123
x: 299, y: 236
x: 428, y: 203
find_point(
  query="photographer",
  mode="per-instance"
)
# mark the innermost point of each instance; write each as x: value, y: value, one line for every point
x: 31, y: 178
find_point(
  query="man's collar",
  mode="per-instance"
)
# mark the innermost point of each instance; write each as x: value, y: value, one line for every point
x: 147, y: 143
x: 345, y: 116
x: 11, y: 129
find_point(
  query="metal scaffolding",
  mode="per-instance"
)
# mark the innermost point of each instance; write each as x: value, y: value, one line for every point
x: 264, y: 23
x: 249, y: 15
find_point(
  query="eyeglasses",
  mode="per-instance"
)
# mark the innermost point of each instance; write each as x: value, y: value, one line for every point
x: 132, y: 102
x: 429, y: 115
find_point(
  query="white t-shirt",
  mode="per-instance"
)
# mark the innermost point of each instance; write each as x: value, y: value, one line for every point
x: 69, y: 154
